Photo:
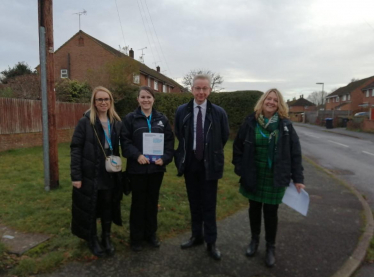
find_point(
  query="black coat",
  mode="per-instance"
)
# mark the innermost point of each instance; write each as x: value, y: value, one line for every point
x: 85, y: 167
x: 287, y: 161
x: 216, y: 134
x: 135, y: 124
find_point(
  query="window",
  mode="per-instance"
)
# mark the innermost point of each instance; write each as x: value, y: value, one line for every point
x: 164, y: 88
x: 136, y: 78
x: 372, y: 92
x: 367, y: 93
x: 344, y: 97
x: 149, y: 81
x: 155, y: 85
x: 64, y: 73
x: 349, y: 97
x: 337, y: 99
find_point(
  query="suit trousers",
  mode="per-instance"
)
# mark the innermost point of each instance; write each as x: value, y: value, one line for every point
x: 144, y: 205
x: 270, y: 218
x: 202, y: 196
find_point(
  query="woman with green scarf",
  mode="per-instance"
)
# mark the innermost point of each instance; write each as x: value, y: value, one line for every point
x: 267, y: 155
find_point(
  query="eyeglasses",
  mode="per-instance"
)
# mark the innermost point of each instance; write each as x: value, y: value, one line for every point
x: 204, y: 89
x: 101, y: 100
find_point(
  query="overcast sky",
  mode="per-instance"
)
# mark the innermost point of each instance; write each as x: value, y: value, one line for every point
x: 253, y: 44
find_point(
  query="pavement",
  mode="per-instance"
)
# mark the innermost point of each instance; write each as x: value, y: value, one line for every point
x: 340, y: 131
x: 330, y: 241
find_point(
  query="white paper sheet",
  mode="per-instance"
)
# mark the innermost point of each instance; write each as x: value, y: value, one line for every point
x: 297, y: 201
x: 153, y: 146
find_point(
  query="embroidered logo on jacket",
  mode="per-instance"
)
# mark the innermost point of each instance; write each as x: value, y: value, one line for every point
x: 160, y: 123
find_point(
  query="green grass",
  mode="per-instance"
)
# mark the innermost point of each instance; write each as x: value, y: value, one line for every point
x: 25, y: 206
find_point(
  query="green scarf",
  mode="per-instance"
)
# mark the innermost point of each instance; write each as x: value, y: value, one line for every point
x: 272, y: 126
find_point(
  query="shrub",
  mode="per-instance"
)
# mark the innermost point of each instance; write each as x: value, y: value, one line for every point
x: 237, y: 104
x: 73, y: 91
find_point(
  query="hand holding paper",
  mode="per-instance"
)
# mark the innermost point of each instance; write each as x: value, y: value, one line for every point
x: 297, y: 201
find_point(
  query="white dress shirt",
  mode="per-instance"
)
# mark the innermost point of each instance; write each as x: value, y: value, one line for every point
x: 195, y: 112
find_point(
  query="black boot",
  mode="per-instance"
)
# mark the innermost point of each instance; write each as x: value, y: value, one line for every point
x: 270, y: 255
x: 153, y: 241
x: 213, y: 251
x: 95, y: 246
x: 105, y: 236
x: 252, y: 248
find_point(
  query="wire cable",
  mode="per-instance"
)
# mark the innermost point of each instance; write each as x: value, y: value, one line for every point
x: 162, y: 52
x: 146, y: 32
x: 120, y: 23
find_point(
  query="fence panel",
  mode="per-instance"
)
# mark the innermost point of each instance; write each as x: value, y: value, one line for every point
x: 25, y: 116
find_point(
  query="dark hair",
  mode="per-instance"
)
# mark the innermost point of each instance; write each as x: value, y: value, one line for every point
x: 148, y: 89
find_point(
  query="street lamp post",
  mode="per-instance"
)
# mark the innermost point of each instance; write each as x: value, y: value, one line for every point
x: 321, y: 96
x: 322, y: 91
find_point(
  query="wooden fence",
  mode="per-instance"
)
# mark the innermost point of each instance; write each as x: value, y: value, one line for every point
x: 19, y: 116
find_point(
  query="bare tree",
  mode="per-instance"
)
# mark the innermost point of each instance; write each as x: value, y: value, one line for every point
x: 317, y: 97
x: 216, y: 78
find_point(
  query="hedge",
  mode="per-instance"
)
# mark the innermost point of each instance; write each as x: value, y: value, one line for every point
x: 237, y: 104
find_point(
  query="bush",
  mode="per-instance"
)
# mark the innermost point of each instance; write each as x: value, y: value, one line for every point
x: 73, y: 91
x: 6, y: 92
x: 237, y: 104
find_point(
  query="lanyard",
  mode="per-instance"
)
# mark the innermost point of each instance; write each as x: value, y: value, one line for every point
x: 148, y: 121
x: 259, y: 128
x: 108, y: 137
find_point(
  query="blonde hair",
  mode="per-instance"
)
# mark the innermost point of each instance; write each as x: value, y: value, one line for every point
x: 111, y: 112
x: 282, y: 106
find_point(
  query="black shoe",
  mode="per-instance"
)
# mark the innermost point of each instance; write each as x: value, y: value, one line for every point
x: 270, y: 255
x: 136, y: 247
x: 95, y: 247
x: 213, y: 251
x: 193, y: 241
x: 252, y: 248
x: 153, y: 241
x: 107, y: 244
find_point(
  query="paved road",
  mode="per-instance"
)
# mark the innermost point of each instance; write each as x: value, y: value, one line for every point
x: 349, y: 155
x: 351, y: 158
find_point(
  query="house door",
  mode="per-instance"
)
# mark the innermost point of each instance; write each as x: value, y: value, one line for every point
x: 371, y: 113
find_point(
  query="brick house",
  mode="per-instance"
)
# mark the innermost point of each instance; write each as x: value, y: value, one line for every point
x: 83, y: 52
x: 351, y: 97
x: 298, y: 107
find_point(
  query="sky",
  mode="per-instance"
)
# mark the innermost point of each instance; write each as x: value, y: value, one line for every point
x: 253, y: 44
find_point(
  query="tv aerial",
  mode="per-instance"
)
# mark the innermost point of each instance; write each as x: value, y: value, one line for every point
x: 84, y: 12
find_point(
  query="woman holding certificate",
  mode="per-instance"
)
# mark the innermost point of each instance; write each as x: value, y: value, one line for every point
x: 267, y: 155
x: 148, y: 147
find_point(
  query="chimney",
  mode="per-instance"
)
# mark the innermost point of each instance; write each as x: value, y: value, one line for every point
x: 158, y: 68
x: 131, y: 53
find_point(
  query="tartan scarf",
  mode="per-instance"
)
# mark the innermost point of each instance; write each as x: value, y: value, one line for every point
x: 272, y: 126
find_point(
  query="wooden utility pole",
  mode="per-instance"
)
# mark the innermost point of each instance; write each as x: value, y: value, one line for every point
x: 45, y: 10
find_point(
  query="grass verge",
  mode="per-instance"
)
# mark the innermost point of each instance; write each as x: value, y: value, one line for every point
x: 26, y: 207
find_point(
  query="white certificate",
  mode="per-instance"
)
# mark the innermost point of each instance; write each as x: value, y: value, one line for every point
x: 297, y: 201
x: 153, y: 146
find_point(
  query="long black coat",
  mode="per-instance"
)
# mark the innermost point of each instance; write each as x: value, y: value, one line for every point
x: 85, y: 162
x: 216, y: 134
x: 287, y: 161
x: 135, y: 124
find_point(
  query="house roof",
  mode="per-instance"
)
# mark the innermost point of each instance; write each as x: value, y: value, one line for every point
x: 143, y: 68
x: 371, y: 85
x: 348, y: 88
x: 300, y: 102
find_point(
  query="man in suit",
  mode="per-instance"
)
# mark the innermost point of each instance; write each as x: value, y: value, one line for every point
x: 202, y: 130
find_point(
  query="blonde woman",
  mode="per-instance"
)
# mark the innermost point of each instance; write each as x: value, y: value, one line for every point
x: 96, y: 192
x: 267, y: 155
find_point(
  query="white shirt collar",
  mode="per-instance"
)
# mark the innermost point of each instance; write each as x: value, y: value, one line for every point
x: 203, y: 106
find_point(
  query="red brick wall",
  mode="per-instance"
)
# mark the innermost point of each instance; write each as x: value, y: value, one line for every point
x: 89, y: 56
x: 368, y: 125
x: 14, y: 141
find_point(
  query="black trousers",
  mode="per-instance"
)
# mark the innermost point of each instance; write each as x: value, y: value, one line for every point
x: 202, y: 196
x: 270, y: 220
x: 144, y: 205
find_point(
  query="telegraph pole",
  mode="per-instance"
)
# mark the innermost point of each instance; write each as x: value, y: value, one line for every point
x: 45, y: 12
